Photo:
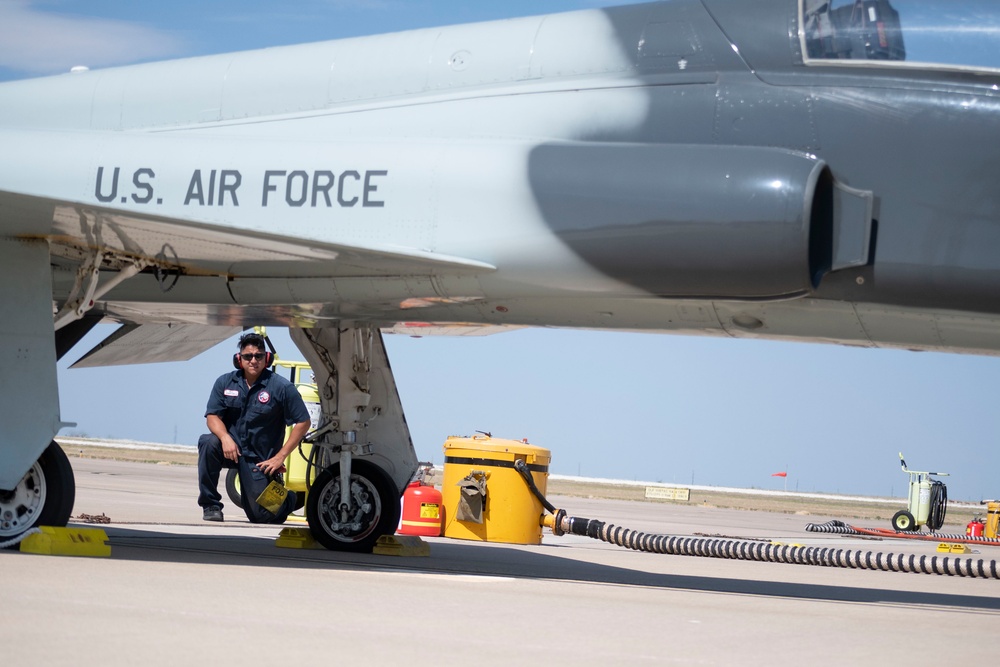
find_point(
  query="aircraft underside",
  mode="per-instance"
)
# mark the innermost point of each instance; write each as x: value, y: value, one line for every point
x: 362, y: 453
x: 688, y: 167
x: 363, y: 443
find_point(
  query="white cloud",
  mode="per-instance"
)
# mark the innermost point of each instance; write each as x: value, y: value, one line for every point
x: 34, y: 41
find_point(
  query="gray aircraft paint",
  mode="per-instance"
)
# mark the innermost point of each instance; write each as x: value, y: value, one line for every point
x: 856, y: 121
x: 461, y: 169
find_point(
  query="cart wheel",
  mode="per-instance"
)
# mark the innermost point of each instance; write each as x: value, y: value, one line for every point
x: 236, y: 494
x: 233, y: 487
x: 373, y: 511
x: 903, y: 521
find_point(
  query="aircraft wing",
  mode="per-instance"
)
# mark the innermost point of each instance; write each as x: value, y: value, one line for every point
x: 151, y: 343
x: 203, y: 248
x: 421, y: 329
x: 156, y: 343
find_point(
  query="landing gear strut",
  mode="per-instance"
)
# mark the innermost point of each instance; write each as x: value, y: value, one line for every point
x: 363, y: 448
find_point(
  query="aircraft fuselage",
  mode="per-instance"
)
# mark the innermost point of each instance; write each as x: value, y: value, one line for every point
x: 760, y: 168
x: 613, y: 166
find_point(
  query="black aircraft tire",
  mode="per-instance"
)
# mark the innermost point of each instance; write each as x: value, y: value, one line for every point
x: 233, y: 486
x: 61, y: 491
x: 50, y: 483
x: 378, y: 514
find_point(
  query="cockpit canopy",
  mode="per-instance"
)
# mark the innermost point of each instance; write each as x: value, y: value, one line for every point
x: 917, y: 33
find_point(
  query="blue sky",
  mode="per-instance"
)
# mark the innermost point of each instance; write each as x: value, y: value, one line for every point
x: 633, y: 406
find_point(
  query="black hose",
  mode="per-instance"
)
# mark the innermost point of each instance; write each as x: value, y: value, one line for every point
x: 939, y: 505
x: 307, y: 459
x: 844, y: 529
x: 522, y: 467
x: 838, y: 527
x: 775, y: 553
x: 312, y: 461
x: 760, y: 551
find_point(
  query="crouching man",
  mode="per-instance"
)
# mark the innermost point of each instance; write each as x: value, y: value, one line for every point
x: 247, y: 413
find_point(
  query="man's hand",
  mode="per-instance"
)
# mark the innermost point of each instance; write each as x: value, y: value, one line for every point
x: 272, y: 466
x: 230, y: 449
x: 276, y: 463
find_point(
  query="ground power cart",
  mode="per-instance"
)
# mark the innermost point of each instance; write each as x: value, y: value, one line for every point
x: 928, y: 501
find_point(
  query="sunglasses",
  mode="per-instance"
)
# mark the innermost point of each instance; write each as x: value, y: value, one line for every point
x: 255, y: 355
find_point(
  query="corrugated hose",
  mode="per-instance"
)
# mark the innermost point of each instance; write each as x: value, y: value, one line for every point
x: 859, y: 559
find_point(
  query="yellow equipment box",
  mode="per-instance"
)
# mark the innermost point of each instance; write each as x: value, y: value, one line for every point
x: 484, y: 497
x: 992, y: 519
x: 295, y: 463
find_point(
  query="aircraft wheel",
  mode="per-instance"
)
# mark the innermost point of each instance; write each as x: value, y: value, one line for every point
x: 43, y: 497
x: 374, y: 509
x: 903, y: 520
x: 233, y: 486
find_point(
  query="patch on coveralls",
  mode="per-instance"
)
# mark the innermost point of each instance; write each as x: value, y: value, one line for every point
x: 263, y: 397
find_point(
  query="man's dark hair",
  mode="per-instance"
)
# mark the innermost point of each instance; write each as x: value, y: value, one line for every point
x: 254, y: 339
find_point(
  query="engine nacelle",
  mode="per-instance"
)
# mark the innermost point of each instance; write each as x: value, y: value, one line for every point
x: 685, y: 221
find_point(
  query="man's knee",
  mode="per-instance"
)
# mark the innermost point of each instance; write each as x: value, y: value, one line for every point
x: 209, y: 442
x: 210, y: 452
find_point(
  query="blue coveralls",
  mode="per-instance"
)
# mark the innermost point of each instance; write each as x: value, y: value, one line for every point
x: 256, y: 418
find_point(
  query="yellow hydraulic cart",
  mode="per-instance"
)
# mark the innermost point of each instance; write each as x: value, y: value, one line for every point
x: 296, y: 462
x: 484, y: 496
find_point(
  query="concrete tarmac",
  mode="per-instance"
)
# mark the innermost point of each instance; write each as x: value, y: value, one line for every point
x: 177, y: 590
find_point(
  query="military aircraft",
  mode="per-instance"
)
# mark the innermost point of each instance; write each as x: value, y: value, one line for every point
x: 790, y: 169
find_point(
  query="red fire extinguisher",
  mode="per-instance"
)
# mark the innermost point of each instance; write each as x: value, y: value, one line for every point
x: 975, y: 528
x: 422, y: 511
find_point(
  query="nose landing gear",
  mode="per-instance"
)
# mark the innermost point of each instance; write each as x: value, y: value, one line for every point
x: 357, y: 524
x: 363, y: 449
